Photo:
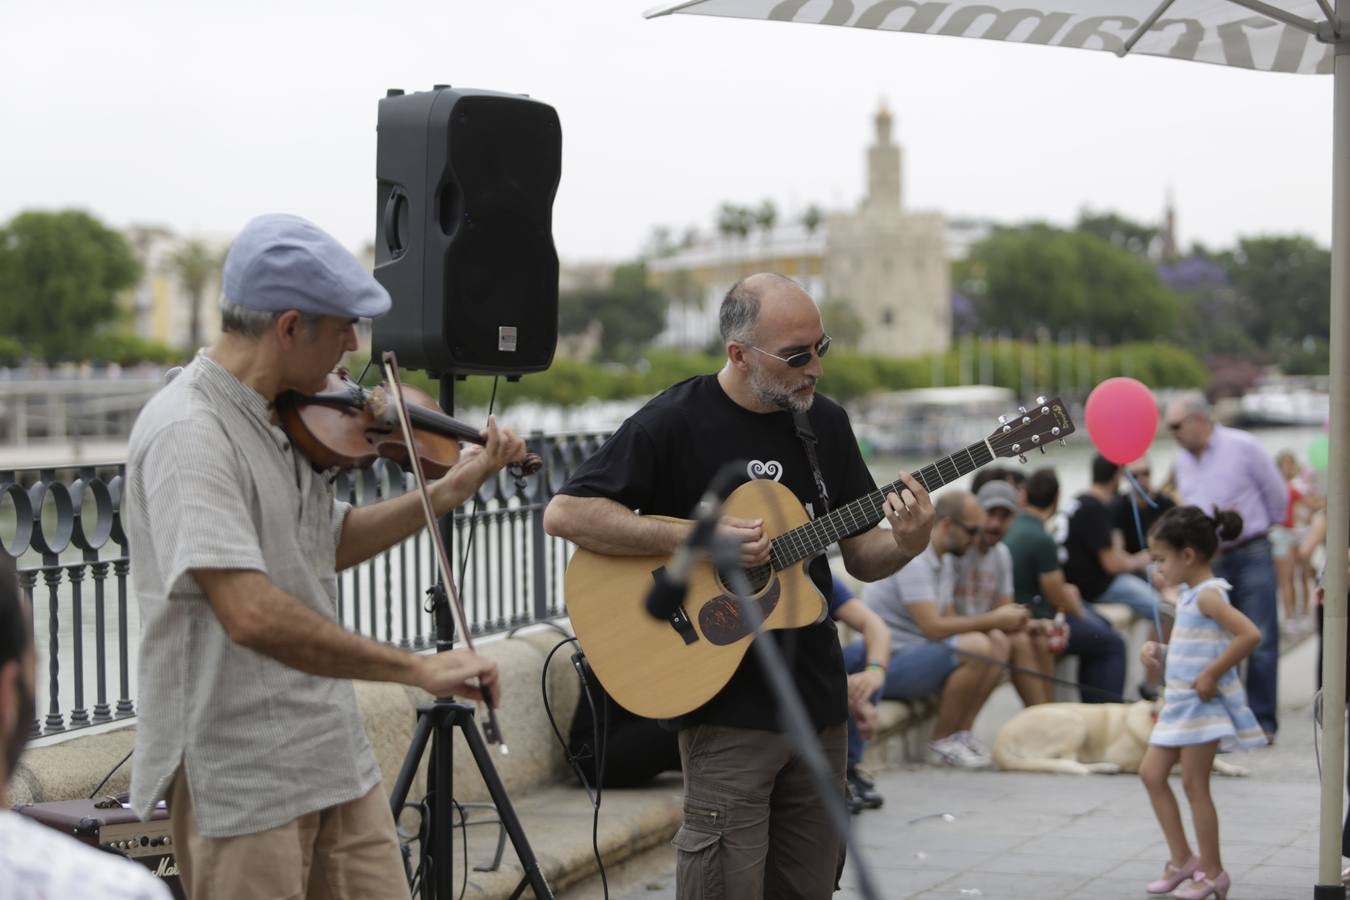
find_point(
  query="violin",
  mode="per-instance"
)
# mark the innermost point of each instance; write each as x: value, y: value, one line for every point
x: 348, y: 426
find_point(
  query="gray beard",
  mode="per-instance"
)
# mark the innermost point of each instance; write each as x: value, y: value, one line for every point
x: 770, y: 393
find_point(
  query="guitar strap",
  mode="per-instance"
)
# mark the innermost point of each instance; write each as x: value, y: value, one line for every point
x: 808, y: 437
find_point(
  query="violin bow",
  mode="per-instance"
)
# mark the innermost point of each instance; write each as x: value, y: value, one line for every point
x: 491, y: 731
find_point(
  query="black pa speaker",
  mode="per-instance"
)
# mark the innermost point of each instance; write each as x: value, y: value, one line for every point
x: 463, y: 233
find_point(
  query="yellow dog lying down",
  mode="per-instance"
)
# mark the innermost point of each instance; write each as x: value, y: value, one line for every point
x: 1081, y: 738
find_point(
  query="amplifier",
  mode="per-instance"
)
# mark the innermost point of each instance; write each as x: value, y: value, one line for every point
x: 115, y: 830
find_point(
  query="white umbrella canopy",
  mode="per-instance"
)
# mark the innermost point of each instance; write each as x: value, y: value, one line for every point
x: 1273, y: 37
x: 1294, y: 36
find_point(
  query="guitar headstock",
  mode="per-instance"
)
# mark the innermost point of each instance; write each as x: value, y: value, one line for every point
x: 1035, y: 426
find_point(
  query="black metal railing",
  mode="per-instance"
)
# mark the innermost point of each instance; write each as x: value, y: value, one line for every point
x: 63, y: 527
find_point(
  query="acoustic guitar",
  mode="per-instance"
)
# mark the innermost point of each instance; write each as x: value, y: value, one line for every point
x: 663, y: 668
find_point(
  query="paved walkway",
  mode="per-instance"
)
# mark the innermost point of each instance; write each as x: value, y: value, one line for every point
x: 1012, y: 836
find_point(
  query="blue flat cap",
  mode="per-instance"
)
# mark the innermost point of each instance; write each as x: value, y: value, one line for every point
x: 280, y: 262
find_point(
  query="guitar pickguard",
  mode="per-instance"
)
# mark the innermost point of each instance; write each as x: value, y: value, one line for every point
x: 720, y: 619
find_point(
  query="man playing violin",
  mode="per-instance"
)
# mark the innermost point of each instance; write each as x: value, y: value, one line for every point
x: 248, y: 720
x: 753, y: 826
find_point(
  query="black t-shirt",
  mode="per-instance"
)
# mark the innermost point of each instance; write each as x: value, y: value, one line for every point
x: 1089, y: 533
x: 1123, y: 519
x: 660, y: 461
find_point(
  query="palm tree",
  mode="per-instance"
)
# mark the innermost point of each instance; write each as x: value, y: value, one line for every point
x: 195, y: 264
x: 811, y: 218
x: 765, y: 217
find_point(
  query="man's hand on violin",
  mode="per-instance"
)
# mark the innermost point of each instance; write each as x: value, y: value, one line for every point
x: 447, y: 674
x: 476, y: 464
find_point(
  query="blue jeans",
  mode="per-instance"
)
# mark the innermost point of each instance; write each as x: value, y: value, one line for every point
x: 919, y: 670
x: 1251, y: 572
x: 1101, y: 657
x: 1134, y: 592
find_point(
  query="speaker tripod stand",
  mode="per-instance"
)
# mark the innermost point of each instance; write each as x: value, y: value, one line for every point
x: 436, y: 725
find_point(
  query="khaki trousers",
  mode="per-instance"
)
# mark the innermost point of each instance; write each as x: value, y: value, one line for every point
x: 753, y: 826
x: 345, y: 852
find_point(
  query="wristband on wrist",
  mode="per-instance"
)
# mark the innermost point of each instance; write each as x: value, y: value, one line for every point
x: 879, y: 666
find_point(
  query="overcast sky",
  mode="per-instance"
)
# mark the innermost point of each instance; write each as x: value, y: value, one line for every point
x: 199, y: 117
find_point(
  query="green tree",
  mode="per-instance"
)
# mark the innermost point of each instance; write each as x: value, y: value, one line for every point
x: 1119, y: 232
x: 842, y: 322
x: 812, y: 218
x: 195, y: 263
x: 1288, y: 281
x: 766, y: 215
x: 1023, y: 278
x: 629, y: 312
x: 60, y: 273
x: 734, y: 221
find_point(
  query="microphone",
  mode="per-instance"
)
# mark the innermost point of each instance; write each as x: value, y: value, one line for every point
x: 672, y: 580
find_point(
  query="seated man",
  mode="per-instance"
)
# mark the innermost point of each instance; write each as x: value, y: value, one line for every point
x: 1039, y: 585
x: 984, y: 583
x: 934, y: 649
x: 1097, y: 563
x: 865, y: 661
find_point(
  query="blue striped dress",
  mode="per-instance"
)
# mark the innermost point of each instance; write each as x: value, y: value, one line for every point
x: 1197, y: 640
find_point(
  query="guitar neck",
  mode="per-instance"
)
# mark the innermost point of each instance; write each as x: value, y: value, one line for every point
x: 815, y: 536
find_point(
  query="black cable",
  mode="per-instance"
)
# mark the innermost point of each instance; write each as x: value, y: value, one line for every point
x: 423, y: 814
x: 473, y: 514
x: 600, y: 738
x: 464, y: 833
x: 119, y: 765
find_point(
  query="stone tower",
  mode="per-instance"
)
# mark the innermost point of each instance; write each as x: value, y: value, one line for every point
x: 888, y: 264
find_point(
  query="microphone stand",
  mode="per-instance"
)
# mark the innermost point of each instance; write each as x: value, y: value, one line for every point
x: 726, y: 557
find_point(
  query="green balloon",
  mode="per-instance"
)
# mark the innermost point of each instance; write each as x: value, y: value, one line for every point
x: 1318, y: 452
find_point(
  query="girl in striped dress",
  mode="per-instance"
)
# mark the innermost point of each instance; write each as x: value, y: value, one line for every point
x: 1204, y: 704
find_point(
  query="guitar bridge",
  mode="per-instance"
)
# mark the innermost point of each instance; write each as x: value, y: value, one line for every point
x: 685, y: 628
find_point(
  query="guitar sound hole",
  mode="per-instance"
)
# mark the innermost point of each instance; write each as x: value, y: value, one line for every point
x: 759, y: 578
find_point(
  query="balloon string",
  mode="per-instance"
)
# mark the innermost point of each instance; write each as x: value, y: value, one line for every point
x: 1143, y: 542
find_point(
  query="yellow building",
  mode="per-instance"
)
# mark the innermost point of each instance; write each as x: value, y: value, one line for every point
x: 888, y: 264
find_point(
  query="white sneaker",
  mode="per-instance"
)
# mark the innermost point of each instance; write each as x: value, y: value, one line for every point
x: 952, y: 751
x: 975, y: 745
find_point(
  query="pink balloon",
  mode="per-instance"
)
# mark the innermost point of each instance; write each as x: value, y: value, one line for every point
x: 1122, y: 419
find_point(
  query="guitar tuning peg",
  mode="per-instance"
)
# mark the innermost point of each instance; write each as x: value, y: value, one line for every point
x: 1042, y: 450
x: 1062, y: 442
x: 1022, y: 410
x: 1002, y: 420
x: 1040, y: 401
x: 1022, y: 458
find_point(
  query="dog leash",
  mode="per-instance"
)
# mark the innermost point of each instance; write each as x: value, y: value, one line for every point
x: 1110, y: 696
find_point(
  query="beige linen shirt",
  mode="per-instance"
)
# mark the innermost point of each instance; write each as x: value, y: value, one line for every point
x: 212, y: 483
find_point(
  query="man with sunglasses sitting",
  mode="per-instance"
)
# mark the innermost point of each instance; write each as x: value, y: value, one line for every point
x: 936, y: 650
x: 753, y: 825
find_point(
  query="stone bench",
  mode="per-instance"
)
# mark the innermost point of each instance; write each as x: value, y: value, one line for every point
x: 554, y: 813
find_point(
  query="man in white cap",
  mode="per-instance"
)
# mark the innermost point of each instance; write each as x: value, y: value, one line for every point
x: 984, y: 581
x: 248, y: 719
